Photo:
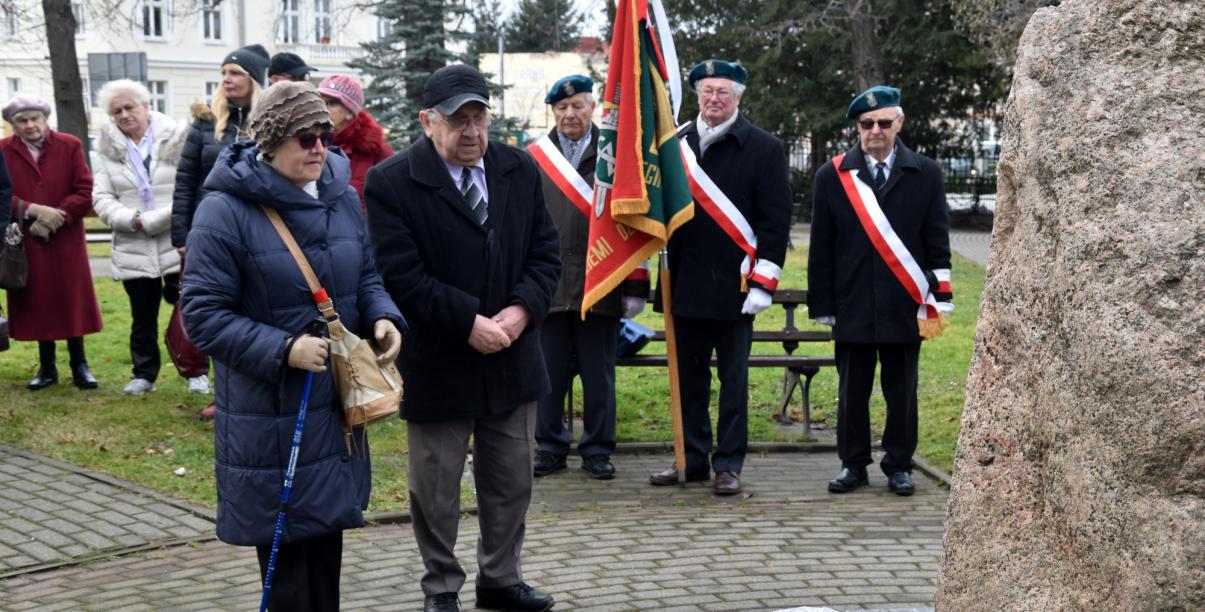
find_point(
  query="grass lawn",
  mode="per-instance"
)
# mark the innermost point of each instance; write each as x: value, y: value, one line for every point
x: 146, y: 439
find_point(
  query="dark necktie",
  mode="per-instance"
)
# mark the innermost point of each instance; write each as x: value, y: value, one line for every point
x: 472, y: 195
x: 880, y: 176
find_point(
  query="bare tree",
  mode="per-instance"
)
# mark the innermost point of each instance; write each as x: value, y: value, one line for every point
x: 868, y: 65
x: 64, y: 70
x: 997, y: 24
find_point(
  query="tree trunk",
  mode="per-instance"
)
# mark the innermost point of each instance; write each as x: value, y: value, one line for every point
x: 868, y: 66
x: 72, y: 117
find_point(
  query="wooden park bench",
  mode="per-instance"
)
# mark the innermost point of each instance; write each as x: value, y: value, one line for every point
x: 797, y: 369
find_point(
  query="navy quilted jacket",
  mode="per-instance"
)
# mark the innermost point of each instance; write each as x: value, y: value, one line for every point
x: 243, y: 296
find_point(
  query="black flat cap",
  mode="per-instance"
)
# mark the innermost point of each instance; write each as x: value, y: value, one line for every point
x: 290, y: 64
x: 451, y: 87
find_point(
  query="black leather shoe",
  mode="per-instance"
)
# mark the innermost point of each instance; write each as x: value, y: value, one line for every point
x: 900, y: 483
x: 727, y: 483
x: 669, y: 476
x: 848, y: 480
x: 514, y: 597
x: 82, y: 378
x: 599, y: 467
x: 441, y: 602
x: 547, y: 463
x: 44, y: 378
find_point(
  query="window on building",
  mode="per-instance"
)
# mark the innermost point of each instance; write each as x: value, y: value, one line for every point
x: 80, y: 11
x: 211, y: 88
x: 384, y: 27
x: 159, y: 97
x: 8, y: 19
x: 211, y: 20
x: 290, y: 21
x: 155, y: 18
x: 323, y: 33
x: 88, y: 101
x: 14, y: 86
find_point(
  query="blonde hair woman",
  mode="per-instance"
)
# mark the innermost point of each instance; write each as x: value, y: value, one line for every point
x: 244, y: 72
x: 133, y: 178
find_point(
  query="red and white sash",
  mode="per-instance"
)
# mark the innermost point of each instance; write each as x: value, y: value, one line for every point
x: 721, y: 210
x: 899, y: 260
x: 563, y: 175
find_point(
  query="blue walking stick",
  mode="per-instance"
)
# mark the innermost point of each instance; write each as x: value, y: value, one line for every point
x: 288, y: 484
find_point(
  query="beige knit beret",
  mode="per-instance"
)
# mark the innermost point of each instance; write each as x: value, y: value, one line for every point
x: 285, y: 109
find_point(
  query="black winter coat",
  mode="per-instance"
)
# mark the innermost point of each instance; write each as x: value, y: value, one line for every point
x: 6, y: 198
x: 847, y: 278
x: 242, y: 298
x: 443, y: 269
x: 574, y: 229
x: 201, y: 150
x: 749, y: 165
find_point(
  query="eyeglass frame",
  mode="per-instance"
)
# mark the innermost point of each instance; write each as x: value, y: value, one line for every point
x: 325, y: 137
x: 884, y: 124
x: 487, y: 120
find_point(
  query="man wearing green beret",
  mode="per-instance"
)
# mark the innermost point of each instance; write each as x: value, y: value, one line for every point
x: 566, y: 157
x: 879, y: 274
x: 726, y: 263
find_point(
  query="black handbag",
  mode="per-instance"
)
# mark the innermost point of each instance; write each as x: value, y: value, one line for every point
x: 14, y: 267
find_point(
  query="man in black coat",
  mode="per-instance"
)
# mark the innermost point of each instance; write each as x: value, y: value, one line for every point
x: 717, y: 286
x: 468, y: 252
x: 852, y: 287
x: 567, y: 338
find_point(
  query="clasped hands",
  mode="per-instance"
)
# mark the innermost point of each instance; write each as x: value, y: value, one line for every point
x: 493, y: 334
x: 46, y: 220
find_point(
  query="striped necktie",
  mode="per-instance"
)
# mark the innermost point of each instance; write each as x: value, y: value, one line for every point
x: 472, y: 195
x: 880, y: 177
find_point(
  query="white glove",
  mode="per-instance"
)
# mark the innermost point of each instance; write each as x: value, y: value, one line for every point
x: 828, y: 320
x: 632, y: 306
x: 945, y: 308
x: 757, y: 301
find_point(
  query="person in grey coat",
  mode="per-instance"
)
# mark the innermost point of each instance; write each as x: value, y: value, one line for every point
x: 246, y: 304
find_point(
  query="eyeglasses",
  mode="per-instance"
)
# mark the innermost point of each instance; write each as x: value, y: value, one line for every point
x: 309, y: 139
x: 868, y: 124
x: 723, y: 94
x: 460, y: 124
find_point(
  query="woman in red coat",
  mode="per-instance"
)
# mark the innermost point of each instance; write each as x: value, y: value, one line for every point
x: 52, y: 192
x: 356, y: 133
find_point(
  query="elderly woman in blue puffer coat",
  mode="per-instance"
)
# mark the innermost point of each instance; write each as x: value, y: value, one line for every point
x: 246, y: 304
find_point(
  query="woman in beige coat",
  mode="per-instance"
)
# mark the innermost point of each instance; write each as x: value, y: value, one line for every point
x: 134, y: 175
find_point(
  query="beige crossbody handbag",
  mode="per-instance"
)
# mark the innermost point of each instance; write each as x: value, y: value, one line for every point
x: 368, y: 391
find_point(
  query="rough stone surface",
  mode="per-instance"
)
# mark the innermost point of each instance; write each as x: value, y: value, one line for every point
x: 1080, y: 469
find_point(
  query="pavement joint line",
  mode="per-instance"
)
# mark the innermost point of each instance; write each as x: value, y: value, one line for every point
x: 102, y: 555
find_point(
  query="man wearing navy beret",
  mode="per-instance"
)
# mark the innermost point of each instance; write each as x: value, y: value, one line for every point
x: 566, y: 157
x: 726, y: 263
x: 879, y: 294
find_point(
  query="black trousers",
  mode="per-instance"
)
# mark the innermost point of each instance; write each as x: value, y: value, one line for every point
x: 144, y: 294
x: 855, y: 367
x: 306, y: 578
x: 592, y: 343
x: 730, y: 340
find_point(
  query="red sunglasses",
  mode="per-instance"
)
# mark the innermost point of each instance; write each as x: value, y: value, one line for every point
x: 309, y: 139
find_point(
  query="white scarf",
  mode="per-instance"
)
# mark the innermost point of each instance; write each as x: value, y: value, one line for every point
x: 709, y: 135
x: 141, y: 174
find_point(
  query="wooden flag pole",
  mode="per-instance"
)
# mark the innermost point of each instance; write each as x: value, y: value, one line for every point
x: 671, y: 351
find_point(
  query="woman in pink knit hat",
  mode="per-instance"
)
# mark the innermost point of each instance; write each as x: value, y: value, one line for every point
x: 356, y: 133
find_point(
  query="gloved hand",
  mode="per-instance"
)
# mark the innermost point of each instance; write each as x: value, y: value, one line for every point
x: 389, y: 340
x: 40, y: 230
x: 828, y: 320
x: 945, y: 308
x: 632, y: 306
x: 309, y: 353
x: 757, y: 301
x: 51, y: 217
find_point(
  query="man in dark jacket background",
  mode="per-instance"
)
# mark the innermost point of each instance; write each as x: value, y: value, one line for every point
x: 468, y: 252
x: 852, y: 288
x: 566, y: 338
x: 717, y: 290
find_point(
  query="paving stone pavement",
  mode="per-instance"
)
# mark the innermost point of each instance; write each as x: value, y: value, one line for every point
x: 613, y: 545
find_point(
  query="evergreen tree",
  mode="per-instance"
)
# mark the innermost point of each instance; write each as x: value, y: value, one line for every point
x: 487, y: 23
x: 399, y: 63
x: 543, y: 25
